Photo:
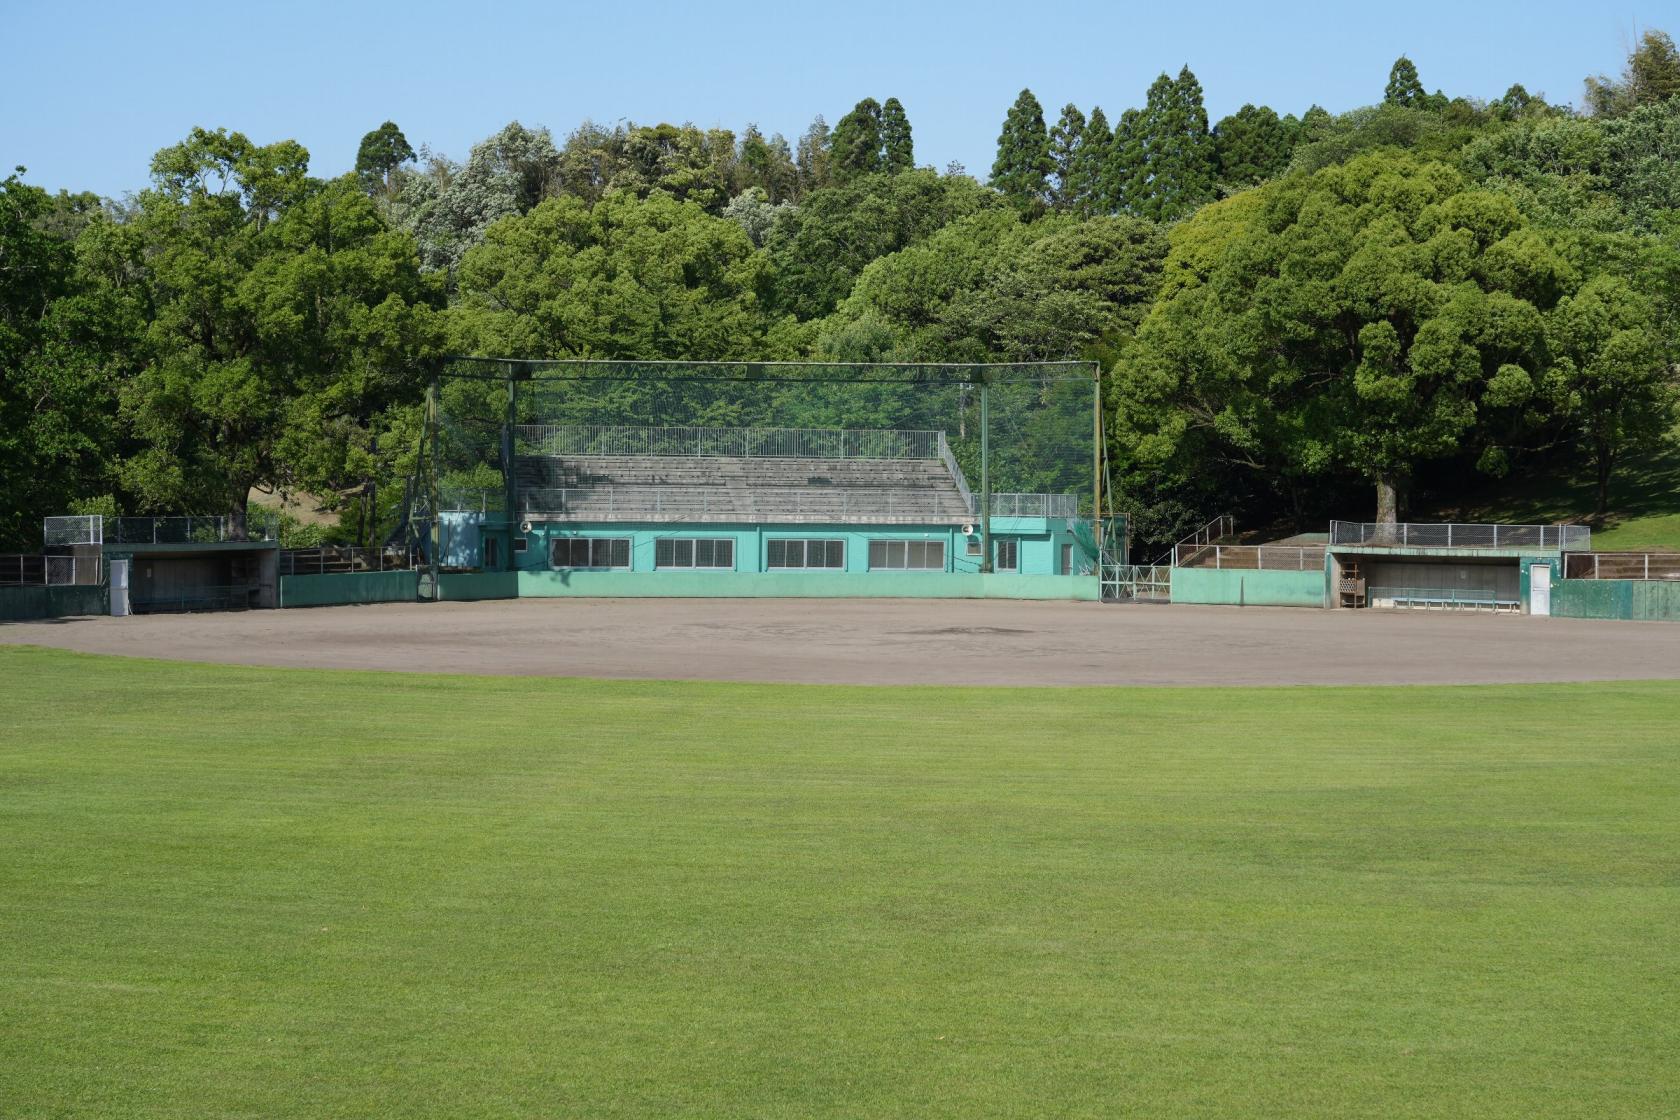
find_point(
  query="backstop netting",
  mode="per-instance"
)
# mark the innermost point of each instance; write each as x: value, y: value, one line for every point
x: 1018, y: 430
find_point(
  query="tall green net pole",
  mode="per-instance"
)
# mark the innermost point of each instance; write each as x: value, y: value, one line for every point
x: 985, y: 477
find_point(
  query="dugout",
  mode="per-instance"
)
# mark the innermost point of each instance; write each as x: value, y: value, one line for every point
x: 1411, y: 566
x: 177, y: 564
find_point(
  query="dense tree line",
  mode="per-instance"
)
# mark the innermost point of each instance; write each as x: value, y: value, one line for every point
x: 1298, y: 314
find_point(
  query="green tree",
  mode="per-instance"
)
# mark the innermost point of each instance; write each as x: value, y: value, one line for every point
x: 1608, y: 358
x: 1651, y: 76
x: 1169, y: 151
x: 1121, y: 170
x: 1085, y: 181
x: 855, y: 148
x: 1065, y: 140
x: 382, y: 151
x: 1251, y: 146
x: 899, y: 150
x: 1370, y: 317
x: 627, y: 278
x: 1023, y: 165
x: 1404, y: 89
x: 285, y: 319
x: 819, y: 248
x: 812, y: 156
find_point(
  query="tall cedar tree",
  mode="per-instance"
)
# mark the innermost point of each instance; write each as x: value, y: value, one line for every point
x: 1085, y: 180
x: 812, y: 156
x: 1125, y: 155
x: 1023, y: 165
x: 1170, y: 156
x: 1252, y: 145
x: 855, y: 148
x: 899, y: 152
x: 1403, y: 89
x: 1065, y: 139
x: 382, y: 151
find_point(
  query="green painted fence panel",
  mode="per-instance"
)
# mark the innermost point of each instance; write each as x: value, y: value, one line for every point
x: 1656, y: 600
x: 20, y: 604
x: 461, y: 587
x: 1244, y: 587
x: 341, y: 588
x: 1592, y: 598
x: 810, y: 585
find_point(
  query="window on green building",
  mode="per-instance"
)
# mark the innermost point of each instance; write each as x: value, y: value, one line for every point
x: 680, y: 553
x: 589, y: 552
x: 805, y: 554
x: 1008, y: 554
x: 912, y: 555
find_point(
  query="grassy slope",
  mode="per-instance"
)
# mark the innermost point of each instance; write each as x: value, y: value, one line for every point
x: 243, y: 892
x: 1644, y: 502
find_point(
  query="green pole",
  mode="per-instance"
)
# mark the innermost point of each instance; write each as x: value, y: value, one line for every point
x: 510, y: 493
x: 434, y: 489
x: 985, y: 478
x: 1096, y: 465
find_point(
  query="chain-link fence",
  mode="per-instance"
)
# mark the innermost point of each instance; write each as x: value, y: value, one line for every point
x: 1566, y: 538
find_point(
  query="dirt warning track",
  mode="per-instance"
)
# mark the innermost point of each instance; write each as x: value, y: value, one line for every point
x: 894, y: 641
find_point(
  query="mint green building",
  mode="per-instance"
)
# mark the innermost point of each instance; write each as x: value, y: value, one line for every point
x: 757, y: 512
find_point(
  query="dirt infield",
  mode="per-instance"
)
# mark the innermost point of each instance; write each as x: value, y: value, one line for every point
x: 894, y: 641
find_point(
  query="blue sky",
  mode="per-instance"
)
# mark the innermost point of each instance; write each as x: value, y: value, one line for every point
x: 93, y: 90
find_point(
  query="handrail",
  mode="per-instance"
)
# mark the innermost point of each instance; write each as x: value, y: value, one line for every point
x: 1562, y: 538
x: 1216, y: 530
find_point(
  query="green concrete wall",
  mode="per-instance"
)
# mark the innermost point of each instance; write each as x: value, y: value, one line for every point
x: 18, y: 604
x: 460, y: 587
x: 341, y: 588
x: 812, y: 585
x: 1234, y: 587
x: 1636, y: 599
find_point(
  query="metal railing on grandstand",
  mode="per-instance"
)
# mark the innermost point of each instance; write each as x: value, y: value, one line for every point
x: 1441, y: 598
x: 75, y: 529
x: 1622, y: 565
x: 779, y: 443
x: 1029, y: 505
x: 465, y: 500
x: 339, y: 560
x: 1567, y: 538
x: 254, y: 527
x: 1262, y: 557
x: 782, y: 503
x: 26, y: 569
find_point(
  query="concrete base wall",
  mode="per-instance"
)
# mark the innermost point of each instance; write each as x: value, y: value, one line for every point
x: 1634, y: 599
x: 1236, y: 587
x: 18, y: 604
x: 349, y: 587
x: 810, y: 585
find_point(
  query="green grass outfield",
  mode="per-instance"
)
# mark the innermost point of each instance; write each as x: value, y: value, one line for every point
x: 231, y: 892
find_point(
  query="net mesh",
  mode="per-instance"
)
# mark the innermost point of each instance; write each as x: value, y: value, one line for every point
x: 1023, y: 429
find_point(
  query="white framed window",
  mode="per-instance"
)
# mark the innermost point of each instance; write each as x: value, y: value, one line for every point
x: 974, y: 546
x: 589, y: 552
x: 677, y: 552
x: 907, y: 555
x: 1008, y: 554
x: 520, y: 544
x: 805, y: 554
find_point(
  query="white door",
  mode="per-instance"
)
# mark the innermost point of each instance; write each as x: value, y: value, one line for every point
x: 1540, y: 589
x: 119, y: 588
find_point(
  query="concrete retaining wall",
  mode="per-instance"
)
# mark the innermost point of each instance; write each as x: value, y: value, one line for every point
x: 18, y: 604
x: 337, y: 589
x: 1239, y: 587
x: 462, y: 587
x: 1636, y: 599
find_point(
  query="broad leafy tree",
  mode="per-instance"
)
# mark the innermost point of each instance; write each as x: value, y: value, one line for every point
x: 382, y: 151
x: 1368, y: 318
x: 1252, y: 145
